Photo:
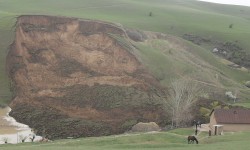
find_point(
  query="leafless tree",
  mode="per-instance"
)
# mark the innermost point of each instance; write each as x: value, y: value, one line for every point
x: 5, y: 140
x: 32, y: 137
x: 230, y: 95
x: 182, y: 95
x: 22, y: 138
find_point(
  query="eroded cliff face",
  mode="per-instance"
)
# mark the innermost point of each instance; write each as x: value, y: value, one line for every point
x: 72, y: 77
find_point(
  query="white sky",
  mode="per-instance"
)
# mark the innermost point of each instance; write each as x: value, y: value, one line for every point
x: 233, y: 2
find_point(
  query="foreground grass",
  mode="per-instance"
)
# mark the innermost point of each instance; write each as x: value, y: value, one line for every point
x: 174, y: 140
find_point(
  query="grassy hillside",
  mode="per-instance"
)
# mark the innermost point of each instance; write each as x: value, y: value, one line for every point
x: 176, y: 17
x: 173, y: 58
x: 6, y: 37
x: 174, y: 140
x: 171, y: 16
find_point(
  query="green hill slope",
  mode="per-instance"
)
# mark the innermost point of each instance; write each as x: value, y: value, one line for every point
x: 176, y: 17
x: 172, y: 57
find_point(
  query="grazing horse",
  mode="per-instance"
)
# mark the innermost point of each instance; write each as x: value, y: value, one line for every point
x: 191, y: 139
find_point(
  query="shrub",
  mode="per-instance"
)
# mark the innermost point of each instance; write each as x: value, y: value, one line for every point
x: 247, y: 84
x: 136, y: 35
x: 231, y: 26
x: 145, y: 127
x: 128, y: 124
x: 5, y: 140
x: 150, y: 14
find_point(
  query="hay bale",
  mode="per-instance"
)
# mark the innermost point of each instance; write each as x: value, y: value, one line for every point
x: 145, y: 127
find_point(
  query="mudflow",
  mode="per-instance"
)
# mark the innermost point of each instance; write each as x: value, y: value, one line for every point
x: 78, y: 78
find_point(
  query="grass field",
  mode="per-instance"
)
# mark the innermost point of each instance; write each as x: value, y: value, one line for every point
x: 173, y: 140
x: 175, y: 17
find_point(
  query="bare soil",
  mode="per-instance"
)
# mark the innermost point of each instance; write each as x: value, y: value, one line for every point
x: 71, y: 78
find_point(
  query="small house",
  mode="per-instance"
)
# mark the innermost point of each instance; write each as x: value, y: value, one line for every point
x: 229, y: 120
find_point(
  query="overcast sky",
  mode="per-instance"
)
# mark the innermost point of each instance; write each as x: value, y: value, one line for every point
x: 234, y: 2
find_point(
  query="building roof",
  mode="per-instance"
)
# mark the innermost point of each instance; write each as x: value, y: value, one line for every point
x: 232, y: 116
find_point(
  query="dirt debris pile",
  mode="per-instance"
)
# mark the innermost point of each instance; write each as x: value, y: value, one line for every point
x: 73, y: 78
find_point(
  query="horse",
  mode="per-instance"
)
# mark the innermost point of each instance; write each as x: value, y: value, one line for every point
x: 191, y: 139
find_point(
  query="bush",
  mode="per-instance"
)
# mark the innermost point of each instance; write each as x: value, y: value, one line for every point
x: 136, y: 35
x: 231, y: 26
x: 247, y: 84
x: 150, y: 14
x: 128, y: 124
x: 230, y: 95
x: 5, y: 140
x: 145, y: 127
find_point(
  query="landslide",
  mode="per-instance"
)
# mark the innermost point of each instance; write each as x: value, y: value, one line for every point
x: 75, y: 78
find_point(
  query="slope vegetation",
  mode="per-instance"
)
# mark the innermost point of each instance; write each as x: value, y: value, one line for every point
x: 177, y: 17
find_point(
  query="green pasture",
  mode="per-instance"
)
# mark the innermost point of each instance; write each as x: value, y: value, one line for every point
x: 172, y: 140
x: 168, y: 16
x: 168, y: 61
x: 165, y: 60
x: 175, y: 17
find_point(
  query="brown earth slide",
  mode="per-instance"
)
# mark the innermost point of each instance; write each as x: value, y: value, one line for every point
x: 75, y: 78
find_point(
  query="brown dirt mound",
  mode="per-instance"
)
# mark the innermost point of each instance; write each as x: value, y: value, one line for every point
x: 70, y: 77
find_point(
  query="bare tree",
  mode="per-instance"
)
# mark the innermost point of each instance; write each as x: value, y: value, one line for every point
x: 230, y: 95
x: 22, y: 138
x: 32, y: 135
x: 183, y: 94
x: 5, y: 140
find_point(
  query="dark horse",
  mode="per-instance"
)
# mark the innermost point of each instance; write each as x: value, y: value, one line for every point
x: 191, y: 139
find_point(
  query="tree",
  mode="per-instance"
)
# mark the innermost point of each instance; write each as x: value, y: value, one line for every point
x: 230, y: 95
x: 150, y: 14
x: 206, y: 110
x: 247, y: 84
x: 22, y: 138
x: 231, y: 26
x: 32, y: 136
x: 183, y: 94
x: 5, y: 140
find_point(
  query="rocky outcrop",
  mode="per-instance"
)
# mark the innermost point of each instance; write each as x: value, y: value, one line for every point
x: 74, y: 78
